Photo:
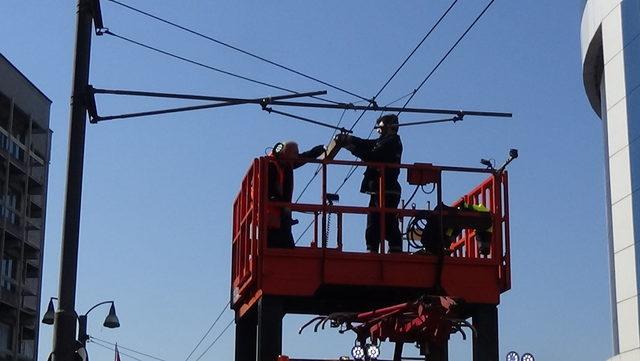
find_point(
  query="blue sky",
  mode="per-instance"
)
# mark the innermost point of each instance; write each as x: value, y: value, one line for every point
x: 155, y: 232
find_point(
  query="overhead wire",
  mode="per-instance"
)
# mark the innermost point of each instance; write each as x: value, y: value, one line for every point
x: 215, y: 340
x: 95, y: 342
x: 224, y: 308
x: 349, y: 173
x: 448, y: 53
x: 209, y: 67
x: 435, y: 25
x: 415, y: 91
x: 127, y: 348
x: 235, y: 48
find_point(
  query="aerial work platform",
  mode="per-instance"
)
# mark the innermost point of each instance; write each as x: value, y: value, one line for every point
x: 321, y: 278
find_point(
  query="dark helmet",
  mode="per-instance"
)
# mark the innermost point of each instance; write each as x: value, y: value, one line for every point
x: 388, y: 119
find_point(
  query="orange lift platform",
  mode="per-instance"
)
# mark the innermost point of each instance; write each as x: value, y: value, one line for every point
x: 410, y: 297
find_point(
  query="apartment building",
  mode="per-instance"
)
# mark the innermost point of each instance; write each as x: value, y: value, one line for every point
x: 25, y: 144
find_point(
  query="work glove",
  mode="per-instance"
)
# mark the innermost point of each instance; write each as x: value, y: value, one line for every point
x: 342, y: 139
x: 318, y: 149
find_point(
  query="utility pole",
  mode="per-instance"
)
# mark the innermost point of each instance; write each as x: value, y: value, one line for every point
x: 64, y: 334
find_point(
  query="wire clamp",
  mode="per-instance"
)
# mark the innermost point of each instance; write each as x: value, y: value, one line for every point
x: 264, y: 102
x: 102, y: 31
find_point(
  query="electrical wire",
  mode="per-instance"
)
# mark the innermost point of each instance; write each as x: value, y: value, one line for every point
x: 209, y: 67
x: 224, y: 308
x: 409, y: 56
x: 315, y: 174
x: 207, y: 37
x: 215, y: 340
x: 303, y: 232
x: 126, y: 348
x: 113, y: 349
x: 448, y: 53
x: 415, y: 91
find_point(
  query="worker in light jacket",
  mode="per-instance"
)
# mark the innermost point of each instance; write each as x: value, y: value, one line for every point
x: 284, y: 158
x: 386, y: 149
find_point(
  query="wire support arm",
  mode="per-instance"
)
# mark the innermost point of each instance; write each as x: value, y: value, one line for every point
x: 235, y: 48
x: 205, y: 66
x: 201, y: 97
x: 442, y: 60
x: 322, y: 124
x: 434, y: 121
x: 95, y: 118
x: 459, y: 113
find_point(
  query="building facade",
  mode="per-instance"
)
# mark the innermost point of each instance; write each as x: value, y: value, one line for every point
x: 25, y: 141
x: 611, y: 68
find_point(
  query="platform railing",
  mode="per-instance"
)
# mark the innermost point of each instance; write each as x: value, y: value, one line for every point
x: 252, y: 206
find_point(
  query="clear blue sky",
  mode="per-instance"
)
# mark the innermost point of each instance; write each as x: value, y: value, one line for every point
x: 155, y: 233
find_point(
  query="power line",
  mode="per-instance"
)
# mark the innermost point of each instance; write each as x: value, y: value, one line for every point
x: 448, y: 52
x: 315, y: 174
x: 215, y: 340
x: 126, y: 348
x: 224, y: 308
x: 409, y: 57
x: 209, y: 67
x: 113, y: 349
x: 415, y: 91
x: 191, y: 31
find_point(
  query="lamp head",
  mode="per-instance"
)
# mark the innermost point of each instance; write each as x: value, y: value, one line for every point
x: 487, y: 163
x: 112, y: 319
x: 49, y: 315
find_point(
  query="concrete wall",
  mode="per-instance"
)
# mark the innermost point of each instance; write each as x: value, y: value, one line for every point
x: 611, y: 60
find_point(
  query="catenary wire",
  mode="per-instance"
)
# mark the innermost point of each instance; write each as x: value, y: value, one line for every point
x: 349, y: 173
x: 415, y: 91
x: 215, y: 340
x: 315, y: 173
x: 207, y: 37
x: 448, y: 53
x: 224, y: 308
x: 409, y: 57
x: 113, y: 349
x: 209, y: 67
x: 128, y: 349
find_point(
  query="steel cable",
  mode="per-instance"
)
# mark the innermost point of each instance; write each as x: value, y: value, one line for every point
x: 215, y: 340
x: 207, y: 37
x: 126, y: 348
x: 448, y: 53
x: 224, y: 308
x: 209, y: 67
x: 113, y: 349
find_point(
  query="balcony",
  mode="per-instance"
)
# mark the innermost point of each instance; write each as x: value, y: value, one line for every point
x: 8, y: 292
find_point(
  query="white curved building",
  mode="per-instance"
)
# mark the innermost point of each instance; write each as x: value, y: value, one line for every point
x: 611, y: 69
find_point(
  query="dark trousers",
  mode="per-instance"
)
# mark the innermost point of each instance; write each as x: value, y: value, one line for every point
x: 281, y: 237
x: 393, y: 234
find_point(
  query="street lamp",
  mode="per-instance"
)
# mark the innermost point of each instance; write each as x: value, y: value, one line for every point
x: 111, y: 321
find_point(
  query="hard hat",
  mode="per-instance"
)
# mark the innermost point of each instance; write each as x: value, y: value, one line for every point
x: 387, y: 119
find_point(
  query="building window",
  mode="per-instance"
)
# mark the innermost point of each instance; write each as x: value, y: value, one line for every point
x: 27, y: 348
x: 5, y: 111
x: 11, y: 205
x: 6, y: 336
x: 7, y: 274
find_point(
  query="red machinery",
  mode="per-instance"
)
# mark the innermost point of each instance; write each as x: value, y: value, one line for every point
x: 322, y: 279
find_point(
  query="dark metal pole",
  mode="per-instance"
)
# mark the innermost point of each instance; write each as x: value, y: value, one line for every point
x: 64, y: 333
x: 82, y: 330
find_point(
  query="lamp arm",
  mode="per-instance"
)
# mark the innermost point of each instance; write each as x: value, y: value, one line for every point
x: 99, y: 304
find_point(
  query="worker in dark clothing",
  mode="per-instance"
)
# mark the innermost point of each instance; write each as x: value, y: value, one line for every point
x: 283, y: 160
x: 386, y: 149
